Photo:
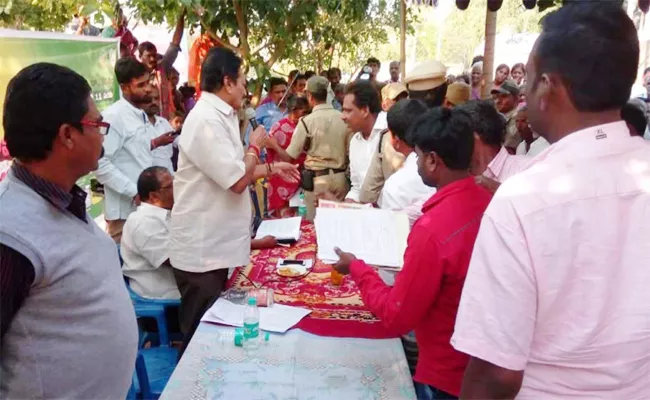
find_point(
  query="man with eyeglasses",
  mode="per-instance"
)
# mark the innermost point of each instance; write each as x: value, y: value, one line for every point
x: 145, y: 239
x: 129, y: 145
x: 62, y: 296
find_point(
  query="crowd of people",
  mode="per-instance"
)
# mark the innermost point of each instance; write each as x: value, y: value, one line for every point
x: 525, y: 270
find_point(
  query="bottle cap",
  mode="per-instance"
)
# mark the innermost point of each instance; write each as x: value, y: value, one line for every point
x: 267, y: 336
x: 252, y: 301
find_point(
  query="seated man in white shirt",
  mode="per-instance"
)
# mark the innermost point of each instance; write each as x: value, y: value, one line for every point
x: 404, y: 190
x: 145, y: 238
x: 361, y: 109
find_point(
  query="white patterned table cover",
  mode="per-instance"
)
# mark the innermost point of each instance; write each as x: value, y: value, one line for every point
x: 294, y: 365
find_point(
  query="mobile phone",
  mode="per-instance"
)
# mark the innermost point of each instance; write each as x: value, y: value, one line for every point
x: 292, y: 262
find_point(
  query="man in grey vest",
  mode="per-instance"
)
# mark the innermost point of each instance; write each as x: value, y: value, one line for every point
x: 67, y: 324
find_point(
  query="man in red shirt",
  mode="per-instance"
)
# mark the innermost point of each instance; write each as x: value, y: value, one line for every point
x: 158, y: 69
x: 427, y: 291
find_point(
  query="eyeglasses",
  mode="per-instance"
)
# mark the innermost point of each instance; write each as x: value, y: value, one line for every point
x: 103, y: 126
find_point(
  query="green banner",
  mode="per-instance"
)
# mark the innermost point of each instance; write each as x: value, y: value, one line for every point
x: 93, y: 58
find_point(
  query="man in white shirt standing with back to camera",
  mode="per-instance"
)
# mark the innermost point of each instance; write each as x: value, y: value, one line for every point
x: 361, y: 112
x: 211, y: 218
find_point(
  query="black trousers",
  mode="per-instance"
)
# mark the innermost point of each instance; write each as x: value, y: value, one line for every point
x: 198, y: 292
x: 171, y: 316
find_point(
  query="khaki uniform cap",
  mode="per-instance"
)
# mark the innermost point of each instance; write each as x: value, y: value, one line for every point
x: 426, y: 76
x: 458, y: 93
x: 392, y: 90
x: 317, y: 84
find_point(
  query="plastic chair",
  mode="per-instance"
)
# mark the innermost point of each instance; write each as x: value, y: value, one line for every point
x: 153, y: 308
x: 132, y: 394
x: 137, y: 299
x: 158, y: 313
x: 153, y: 368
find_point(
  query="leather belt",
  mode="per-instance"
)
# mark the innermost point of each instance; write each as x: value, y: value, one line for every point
x: 327, y: 171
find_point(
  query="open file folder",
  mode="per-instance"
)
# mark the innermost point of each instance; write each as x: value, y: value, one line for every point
x: 376, y: 236
x: 284, y: 230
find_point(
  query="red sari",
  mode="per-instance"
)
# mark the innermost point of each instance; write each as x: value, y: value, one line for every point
x: 5, y: 159
x: 280, y: 191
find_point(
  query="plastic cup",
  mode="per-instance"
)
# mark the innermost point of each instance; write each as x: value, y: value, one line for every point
x: 336, y: 278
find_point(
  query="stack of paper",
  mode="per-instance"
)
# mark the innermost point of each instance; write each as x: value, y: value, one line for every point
x: 281, y: 229
x: 277, y: 318
x: 376, y: 236
x: 335, y: 204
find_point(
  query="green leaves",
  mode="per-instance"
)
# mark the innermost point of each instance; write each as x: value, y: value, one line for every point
x: 6, y: 7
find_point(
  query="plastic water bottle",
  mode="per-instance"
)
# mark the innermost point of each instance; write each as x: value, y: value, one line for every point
x: 302, y: 208
x: 251, y: 325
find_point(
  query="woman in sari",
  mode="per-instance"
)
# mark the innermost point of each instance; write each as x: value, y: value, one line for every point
x: 477, y: 80
x: 502, y: 73
x: 280, y: 191
x: 5, y: 159
x: 518, y: 73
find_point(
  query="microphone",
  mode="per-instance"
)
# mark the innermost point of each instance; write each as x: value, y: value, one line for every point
x: 250, y: 116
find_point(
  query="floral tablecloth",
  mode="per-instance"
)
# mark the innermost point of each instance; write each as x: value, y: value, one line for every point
x: 294, y: 365
x: 336, y: 310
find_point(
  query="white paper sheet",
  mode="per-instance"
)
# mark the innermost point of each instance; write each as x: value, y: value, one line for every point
x: 286, y: 228
x: 376, y: 236
x: 294, y: 201
x: 335, y: 204
x: 278, y: 318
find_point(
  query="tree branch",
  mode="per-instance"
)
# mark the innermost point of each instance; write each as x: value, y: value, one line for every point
x: 220, y: 41
x: 259, y: 48
x: 280, y: 47
x: 243, y: 28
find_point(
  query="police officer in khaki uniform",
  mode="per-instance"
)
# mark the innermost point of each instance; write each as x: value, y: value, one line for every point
x: 325, y: 138
x: 385, y: 161
x: 426, y: 82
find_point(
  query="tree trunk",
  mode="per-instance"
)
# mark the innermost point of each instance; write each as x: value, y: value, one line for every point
x: 488, y: 52
x: 402, y: 39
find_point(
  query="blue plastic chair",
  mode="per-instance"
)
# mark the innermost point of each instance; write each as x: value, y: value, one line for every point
x: 153, y: 368
x: 137, y: 299
x: 155, y: 365
x: 157, y: 313
x: 152, y: 308
x: 132, y: 394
